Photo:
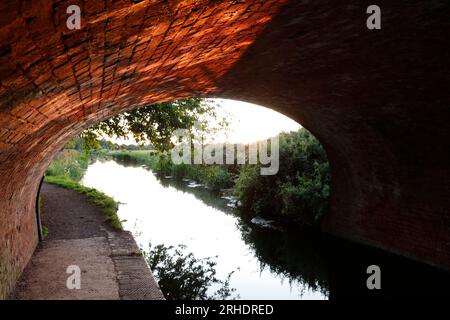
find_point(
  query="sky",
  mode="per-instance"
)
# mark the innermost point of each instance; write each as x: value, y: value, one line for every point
x: 250, y: 122
x: 247, y: 122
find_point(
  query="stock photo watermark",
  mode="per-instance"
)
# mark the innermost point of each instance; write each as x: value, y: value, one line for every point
x: 73, y: 282
x: 373, y: 22
x: 189, y: 152
x: 374, y: 280
x: 73, y: 22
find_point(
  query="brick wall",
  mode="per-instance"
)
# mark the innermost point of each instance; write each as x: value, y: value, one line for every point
x: 377, y: 100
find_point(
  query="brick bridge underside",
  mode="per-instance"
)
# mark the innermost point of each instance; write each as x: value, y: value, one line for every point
x: 377, y: 100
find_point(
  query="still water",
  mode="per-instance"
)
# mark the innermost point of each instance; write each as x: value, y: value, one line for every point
x: 269, y: 263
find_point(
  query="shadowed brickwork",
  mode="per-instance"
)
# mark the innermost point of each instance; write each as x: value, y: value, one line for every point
x: 378, y: 100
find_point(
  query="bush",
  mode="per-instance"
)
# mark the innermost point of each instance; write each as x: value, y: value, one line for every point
x: 246, y: 187
x: 217, y: 178
x: 299, y: 191
x: 179, y: 171
x: 163, y: 165
x: 69, y: 163
x: 306, y: 200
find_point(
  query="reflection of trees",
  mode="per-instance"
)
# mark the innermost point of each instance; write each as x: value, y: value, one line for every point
x: 333, y: 266
x: 129, y: 162
x: 207, y: 197
x: 296, y: 255
x: 293, y: 254
x: 181, y: 276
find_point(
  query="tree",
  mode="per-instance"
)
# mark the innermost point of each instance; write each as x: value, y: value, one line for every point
x: 156, y: 123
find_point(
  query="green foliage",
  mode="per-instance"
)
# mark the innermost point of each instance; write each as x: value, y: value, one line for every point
x: 69, y: 163
x: 180, y: 171
x: 75, y: 144
x: 138, y: 156
x: 90, y: 139
x: 247, y: 185
x: 44, y: 231
x: 307, y: 195
x: 299, y: 191
x: 181, y: 276
x: 155, y: 123
x: 217, y: 177
x: 108, y: 205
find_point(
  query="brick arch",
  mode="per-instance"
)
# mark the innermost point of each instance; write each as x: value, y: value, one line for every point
x: 377, y: 100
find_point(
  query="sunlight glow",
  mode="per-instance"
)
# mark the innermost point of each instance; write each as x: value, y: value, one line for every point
x: 247, y: 123
x: 251, y: 122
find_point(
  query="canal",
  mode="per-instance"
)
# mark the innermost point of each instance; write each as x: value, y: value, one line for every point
x: 269, y: 261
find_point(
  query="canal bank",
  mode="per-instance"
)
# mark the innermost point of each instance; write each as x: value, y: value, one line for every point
x: 109, y: 260
x: 267, y: 262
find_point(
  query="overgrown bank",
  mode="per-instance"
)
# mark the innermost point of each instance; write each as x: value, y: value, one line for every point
x: 214, y: 177
x: 67, y: 169
x: 298, y: 193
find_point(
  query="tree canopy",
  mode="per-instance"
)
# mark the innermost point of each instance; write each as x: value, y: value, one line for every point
x: 155, y: 123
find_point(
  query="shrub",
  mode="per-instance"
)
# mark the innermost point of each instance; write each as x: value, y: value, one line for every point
x: 299, y: 191
x: 217, y: 178
x: 306, y: 199
x: 179, y: 171
x: 246, y: 187
x: 69, y: 163
x: 163, y: 165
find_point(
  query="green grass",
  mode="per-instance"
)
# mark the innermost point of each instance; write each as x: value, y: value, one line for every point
x: 44, y: 231
x: 108, y: 205
x: 69, y: 163
x: 145, y: 157
x: 216, y: 177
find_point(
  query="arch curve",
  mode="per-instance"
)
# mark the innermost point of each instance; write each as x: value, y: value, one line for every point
x: 377, y: 100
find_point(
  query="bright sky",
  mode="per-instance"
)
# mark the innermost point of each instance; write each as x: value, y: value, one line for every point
x: 248, y: 122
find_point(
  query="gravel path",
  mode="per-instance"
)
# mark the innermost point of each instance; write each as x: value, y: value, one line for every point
x: 68, y: 215
x: 108, y: 260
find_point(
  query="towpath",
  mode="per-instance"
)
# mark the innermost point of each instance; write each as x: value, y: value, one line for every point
x: 109, y: 261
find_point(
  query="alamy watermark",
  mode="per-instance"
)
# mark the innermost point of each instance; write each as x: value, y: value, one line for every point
x: 374, y: 280
x: 74, y: 20
x: 263, y: 152
x: 73, y: 282
x: 373, y: 22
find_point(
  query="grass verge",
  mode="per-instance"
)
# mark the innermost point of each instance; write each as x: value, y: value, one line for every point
x: 108, y: 205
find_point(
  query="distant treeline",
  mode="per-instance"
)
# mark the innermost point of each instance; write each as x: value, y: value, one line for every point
x: 79, y: 145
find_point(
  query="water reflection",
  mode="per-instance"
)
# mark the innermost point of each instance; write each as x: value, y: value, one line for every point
x: 283, y: 263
